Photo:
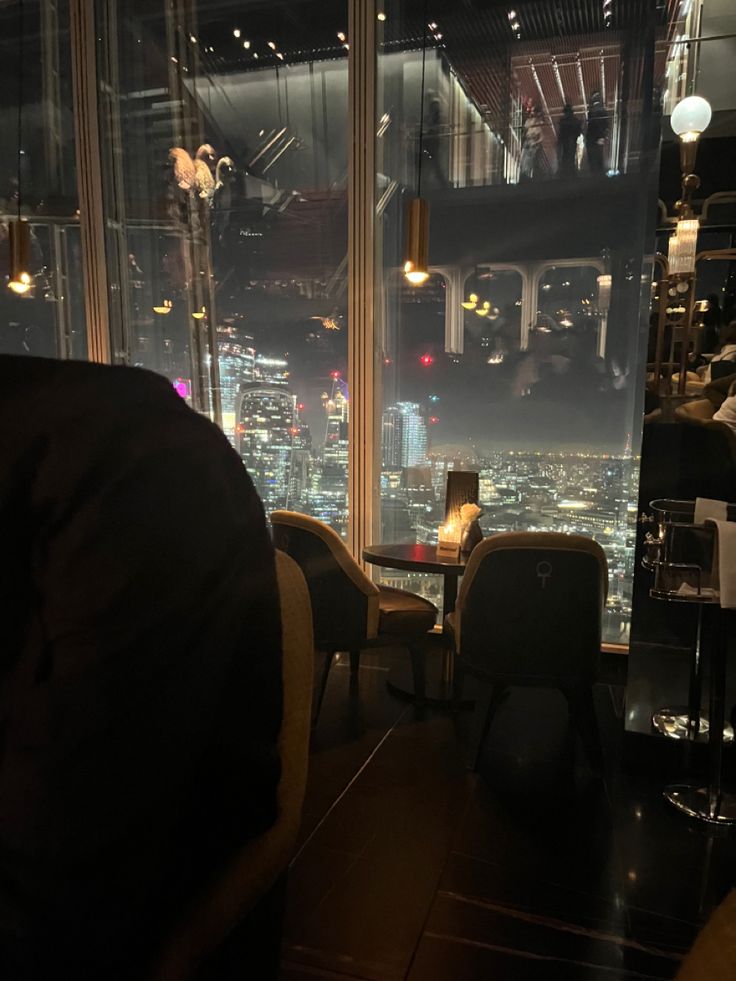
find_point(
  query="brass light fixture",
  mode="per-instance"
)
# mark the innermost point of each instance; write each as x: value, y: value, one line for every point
x: 416, y: 257
x: 689, y: 120
x: 19, y: 236
x: 163, y: 308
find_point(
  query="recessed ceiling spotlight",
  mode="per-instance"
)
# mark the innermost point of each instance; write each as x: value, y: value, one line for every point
x: 255, y: 55
x: 433, y: 26
x: 272, y: 45
x: 236, y: 32
x: 246, y: 45
x: 341, y: 36
x: 381, y: 15
x: 279, y: 56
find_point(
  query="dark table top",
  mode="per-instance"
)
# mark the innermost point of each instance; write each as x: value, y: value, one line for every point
x: 416, y: 558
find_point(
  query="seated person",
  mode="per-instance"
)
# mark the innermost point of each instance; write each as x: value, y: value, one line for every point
x: 726, y: 353
x: 727, y: 412
x: 140, y: 672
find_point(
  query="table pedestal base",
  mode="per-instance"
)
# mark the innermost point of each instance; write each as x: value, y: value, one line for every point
x: 703, y: 805
x: 674, y: 723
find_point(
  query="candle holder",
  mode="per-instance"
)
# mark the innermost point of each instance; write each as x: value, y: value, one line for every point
x: 448, y: 541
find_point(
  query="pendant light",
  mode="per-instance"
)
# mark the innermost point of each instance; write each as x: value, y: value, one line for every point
x: 416, y: 257
x: 19, y: 237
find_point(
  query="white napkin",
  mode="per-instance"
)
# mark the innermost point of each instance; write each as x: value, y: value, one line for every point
x: 707, y: 509
x: 724, y: 561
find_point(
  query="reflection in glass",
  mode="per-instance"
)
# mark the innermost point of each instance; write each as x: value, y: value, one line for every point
x: 227, y: 179
x: 540, y: 171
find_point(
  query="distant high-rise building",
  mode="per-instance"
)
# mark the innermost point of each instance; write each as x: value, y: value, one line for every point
x: 271, y: 371
x: 237, y: 358
x: 335, y: 452
x: 404, y: 436
x: 265, y: 432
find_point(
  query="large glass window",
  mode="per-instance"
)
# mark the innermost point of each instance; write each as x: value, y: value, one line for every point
x: 522, y: 356
x: 35, y: 69
x: 226, y: 179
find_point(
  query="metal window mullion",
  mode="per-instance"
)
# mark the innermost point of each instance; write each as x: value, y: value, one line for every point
x: 362, y: 374
x: 89, y: 178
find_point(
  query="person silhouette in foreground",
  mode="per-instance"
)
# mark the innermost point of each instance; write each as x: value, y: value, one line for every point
x: 140, y: 666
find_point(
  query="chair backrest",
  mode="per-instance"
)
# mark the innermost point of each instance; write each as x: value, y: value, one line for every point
x: 530, y: 608
x: 344, y: 600
x: 255, y: 869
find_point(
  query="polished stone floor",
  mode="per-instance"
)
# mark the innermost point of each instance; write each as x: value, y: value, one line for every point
x: 412, y: 868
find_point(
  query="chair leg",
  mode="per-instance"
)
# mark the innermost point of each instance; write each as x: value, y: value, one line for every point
x: 418, y: 671
x: 486, y: 706
x: 582, y: 712
x: 458, y: 686
x: 322, y: 687
x: 354, y: 661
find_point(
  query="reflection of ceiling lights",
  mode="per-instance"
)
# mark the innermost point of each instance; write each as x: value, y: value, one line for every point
x: 472, y: 302
x: 341, y: 36
x: 381, y: 16
x: 200, y: 314
x: 163, y: 308
x: 236, y: 32
x: 484, y: 310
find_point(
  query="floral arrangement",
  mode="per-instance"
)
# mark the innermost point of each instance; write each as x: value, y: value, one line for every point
x: 469, y: 513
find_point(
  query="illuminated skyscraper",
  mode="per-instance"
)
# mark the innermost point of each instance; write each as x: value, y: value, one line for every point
x: 271, y: 371
x: 266, y: 429
x: 237, y: 358
x: 404, y: 436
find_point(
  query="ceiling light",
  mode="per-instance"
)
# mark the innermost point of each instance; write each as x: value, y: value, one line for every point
x: 246, y: 45
x: 255, y: 55
x: 515, y: 26
x: 433, y: 26
x: 193, y: 39
x: 281, y: 57
x: 472, y: 302
x: 381, y: 16
x: 236, y: 32
x: 341, y: 36
x: 163, y: 308
x: 272, y: 45
x: 512, y: 15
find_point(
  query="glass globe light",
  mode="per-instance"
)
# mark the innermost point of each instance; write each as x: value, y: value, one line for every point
x: 691, y: 117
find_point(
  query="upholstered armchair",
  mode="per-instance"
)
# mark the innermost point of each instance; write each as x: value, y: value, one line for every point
x: 350, y: 612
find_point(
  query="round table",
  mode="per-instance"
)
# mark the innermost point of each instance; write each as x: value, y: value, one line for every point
x: 423, y: 558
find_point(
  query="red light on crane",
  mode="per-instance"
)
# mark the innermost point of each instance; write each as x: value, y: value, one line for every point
x: 433, y: 420
x: 335, y: 375
x: 426, y: 360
